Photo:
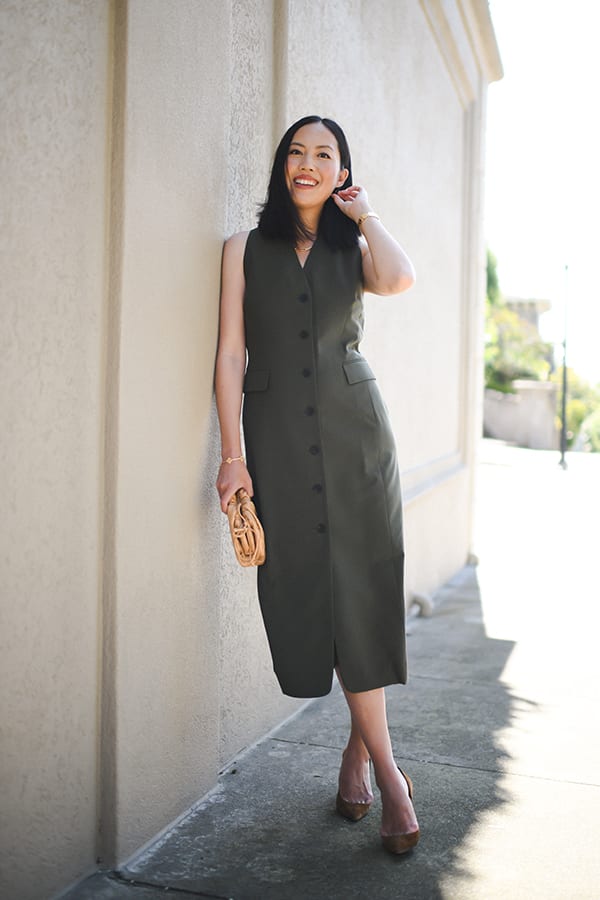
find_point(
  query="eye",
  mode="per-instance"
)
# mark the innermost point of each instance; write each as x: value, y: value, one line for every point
x: 294, y: 151
x: 325, y: 154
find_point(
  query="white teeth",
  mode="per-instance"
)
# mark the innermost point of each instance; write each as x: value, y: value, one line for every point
x: 305, y: 181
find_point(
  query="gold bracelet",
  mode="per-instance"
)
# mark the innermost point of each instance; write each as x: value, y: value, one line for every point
x: 231, y: 459
x: 367, y: 215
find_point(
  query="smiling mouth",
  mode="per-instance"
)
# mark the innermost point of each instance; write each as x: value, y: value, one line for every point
x: 305, y: 182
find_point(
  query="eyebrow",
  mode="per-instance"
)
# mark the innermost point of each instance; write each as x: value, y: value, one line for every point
x: 318, y: 147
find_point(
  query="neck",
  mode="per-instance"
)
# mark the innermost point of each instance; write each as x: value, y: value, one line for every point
x: 310, y: 221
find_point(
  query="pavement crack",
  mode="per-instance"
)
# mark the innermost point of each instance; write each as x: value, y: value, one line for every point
x: 308, y: 744
x: 118, y: 876
x: 488, y: 770
x: 450, y: 680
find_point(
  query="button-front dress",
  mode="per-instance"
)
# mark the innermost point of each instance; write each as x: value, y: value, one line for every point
x: 322, y: 458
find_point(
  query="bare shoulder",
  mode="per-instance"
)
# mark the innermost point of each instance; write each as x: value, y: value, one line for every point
x: 233, y: 255
x: 236, y: 244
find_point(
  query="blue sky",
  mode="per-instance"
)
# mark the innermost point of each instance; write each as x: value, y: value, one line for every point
x: 543, y: 166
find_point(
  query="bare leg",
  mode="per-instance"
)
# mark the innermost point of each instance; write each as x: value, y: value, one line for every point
x: 355, y: 780
x: 370, y: 730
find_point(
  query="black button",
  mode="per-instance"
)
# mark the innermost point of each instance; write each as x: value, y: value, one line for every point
x: 306, y: 373
x: 304, y: 333
x: 313, y: 449
x: 303, y: 298
x: 321, y: 528
x: 317, y: 488
x: 309, y: 411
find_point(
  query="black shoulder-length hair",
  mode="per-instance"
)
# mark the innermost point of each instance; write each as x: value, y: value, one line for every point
x: 279, y: 218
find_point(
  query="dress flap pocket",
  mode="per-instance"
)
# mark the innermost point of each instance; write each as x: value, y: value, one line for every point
x: 256, y: 380
x: 358, y: 370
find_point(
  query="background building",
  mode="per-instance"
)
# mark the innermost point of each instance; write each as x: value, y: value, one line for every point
x: 527, y: 415
x: 529, y: 309
x: 136, y: 136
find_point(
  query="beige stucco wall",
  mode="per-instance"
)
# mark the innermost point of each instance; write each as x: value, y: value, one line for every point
x: 141, y: 133
x: 197, y: 672
x: 54, y: 73
x: 164, y: 600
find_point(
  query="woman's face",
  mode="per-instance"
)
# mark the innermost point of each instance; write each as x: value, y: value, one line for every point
x: 312, y: 169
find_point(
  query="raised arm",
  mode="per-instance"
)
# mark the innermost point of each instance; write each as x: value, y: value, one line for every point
x: 386, y: 267
x: 229, y: 370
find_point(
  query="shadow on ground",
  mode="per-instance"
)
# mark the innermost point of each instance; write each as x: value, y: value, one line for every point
x: 269, y: 830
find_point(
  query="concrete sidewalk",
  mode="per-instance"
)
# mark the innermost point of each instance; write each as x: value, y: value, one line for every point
x: 498, y: 727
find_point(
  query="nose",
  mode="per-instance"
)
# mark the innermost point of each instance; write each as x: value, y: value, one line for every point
x: 306, y: 163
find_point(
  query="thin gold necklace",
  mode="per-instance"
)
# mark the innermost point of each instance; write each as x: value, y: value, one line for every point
x: 304, y: 249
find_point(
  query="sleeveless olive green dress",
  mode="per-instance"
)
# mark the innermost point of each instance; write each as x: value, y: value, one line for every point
x: 322, y: 458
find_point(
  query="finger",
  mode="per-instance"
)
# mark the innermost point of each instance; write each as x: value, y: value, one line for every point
x: 341, y: 205
x: 225, y: 500
x: 343, y: 201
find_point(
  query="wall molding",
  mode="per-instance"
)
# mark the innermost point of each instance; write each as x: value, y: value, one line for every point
x: 427, y: 476
x: 465, y: 37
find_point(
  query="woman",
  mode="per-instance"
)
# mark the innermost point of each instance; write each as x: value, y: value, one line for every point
x: 321, y: 462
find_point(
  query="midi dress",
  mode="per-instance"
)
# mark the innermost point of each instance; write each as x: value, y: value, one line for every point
x: 322, y: 458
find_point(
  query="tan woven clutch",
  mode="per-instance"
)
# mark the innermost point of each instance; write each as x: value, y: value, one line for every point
x: 246, y: 531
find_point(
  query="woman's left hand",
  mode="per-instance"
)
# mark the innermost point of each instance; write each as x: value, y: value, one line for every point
x: 386, y: 267
x: 352, y: 201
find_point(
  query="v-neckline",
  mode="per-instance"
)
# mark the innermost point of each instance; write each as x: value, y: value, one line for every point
x: 308, y: 255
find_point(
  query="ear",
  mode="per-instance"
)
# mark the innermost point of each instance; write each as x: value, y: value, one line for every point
x: 342, y: 177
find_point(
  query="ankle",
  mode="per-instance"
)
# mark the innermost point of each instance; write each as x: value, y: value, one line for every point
x: 387, y: 774
x: 355, y: 753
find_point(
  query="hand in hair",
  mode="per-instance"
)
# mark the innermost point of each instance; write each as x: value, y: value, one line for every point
x: 352, y: 201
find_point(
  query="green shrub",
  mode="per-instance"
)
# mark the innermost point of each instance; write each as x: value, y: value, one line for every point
x: 513, y: 346
x: 590, y: 431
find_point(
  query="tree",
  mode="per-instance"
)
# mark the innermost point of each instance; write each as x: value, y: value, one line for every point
x: 583, y: 402
x: 590, y: 432
x: 513, y: 347
x: 492, y: 286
